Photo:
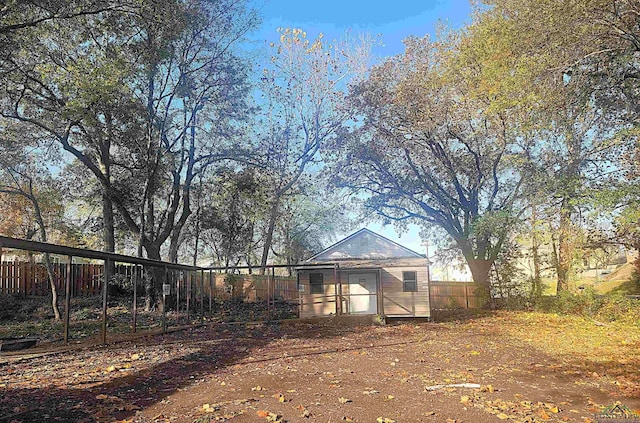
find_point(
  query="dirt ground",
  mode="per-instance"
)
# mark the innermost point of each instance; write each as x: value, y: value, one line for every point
x: 531, y: 367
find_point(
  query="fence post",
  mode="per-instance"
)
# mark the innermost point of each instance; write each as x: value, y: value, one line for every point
x: 105, y: 290
x: 134, y: 279
x: 466, y: 295
x: 67, y: 298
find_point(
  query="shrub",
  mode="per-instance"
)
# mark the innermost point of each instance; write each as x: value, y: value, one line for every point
x: 585, y: 303
x: 9, y: 306
x: 120, y: 286
x: 19, y: 308
x: 588, y: 303
x: 619, y: 308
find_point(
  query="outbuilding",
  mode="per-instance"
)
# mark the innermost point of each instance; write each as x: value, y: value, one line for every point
x: 365, y: 273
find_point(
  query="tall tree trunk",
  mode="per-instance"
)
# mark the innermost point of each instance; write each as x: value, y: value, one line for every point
x: 108, y: 231
x: 109, y: 228
x: 480, y: 269
x: 153, y: 278
x: 52, y: 284
x: 536, y: 285
x: 268, y: 240
x: 47, y: 257
x: 565, y: 247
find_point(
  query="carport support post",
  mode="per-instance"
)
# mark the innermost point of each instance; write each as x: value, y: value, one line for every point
x: 268, y: 295
x: 134, y: 312
x: 67, y: 298
x: 380, y: 293
x: 338, y: 287
x: 178, y: 279
x: 202, y: 297
x: 105, y: 290
x: 188, y: 296
x: 210, y: 289
x: 273, y: 287
x: 7, y: 286
x: 164, y: 300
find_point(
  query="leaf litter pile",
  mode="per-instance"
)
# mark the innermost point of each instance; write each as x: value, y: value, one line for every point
x: 519, y: 367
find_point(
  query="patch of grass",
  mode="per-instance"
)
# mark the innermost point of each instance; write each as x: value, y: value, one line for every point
x: 568, y: 336
x: 623, y: 288
x: 549, y: 286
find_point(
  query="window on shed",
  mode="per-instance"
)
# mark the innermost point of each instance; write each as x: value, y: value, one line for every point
x: 409, y: 281
x: 316, y: 281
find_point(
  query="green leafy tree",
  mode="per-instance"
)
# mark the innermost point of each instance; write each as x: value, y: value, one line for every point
x: 146, y: 100
x: 429, y: 150
x: 570, y: 62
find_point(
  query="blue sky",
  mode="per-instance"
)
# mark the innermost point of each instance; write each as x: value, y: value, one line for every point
x: 392, y: 20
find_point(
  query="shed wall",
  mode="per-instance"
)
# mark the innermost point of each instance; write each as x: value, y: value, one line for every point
x: 396, y: 302
x: 324, y: 304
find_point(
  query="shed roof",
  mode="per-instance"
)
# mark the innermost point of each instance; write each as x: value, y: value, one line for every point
x: 364, y: 245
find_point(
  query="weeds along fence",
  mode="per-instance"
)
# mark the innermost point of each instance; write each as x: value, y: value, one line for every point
x: 179, y: 294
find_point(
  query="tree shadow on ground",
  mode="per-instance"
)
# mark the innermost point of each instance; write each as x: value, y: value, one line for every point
x: 111, y: 395
x: 460, y: 315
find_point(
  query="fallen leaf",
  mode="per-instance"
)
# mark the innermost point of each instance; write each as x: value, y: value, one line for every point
x: 207, y: 408
x: 343, y: 400
x: 543, y: 414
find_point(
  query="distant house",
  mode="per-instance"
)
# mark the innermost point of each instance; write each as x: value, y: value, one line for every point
x: 365, y: 273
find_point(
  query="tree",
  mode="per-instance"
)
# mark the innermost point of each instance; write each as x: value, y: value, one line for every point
x: 429, y: 150
x: 232, y: 205
x: 575, y: 59
x: 120, y: 93
x: 303, y: 91
x: 308, y: 222
x: 26, y: 183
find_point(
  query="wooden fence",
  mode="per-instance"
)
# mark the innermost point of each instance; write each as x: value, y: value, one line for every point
x: 27, y: 278
x: 257, y: 287
x: 446, y: 294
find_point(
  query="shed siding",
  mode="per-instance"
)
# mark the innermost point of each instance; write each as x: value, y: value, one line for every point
x: 324, y: 304
x: 396, y: 302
